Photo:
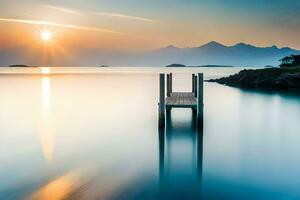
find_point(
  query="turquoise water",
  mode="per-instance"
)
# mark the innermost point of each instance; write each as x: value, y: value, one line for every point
x: 93, y: 134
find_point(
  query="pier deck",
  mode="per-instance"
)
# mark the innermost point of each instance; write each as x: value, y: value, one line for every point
x: 192, y: 99
x: 181, y: 100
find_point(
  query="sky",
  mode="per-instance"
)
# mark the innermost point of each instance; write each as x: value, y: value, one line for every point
x: 135, y: 25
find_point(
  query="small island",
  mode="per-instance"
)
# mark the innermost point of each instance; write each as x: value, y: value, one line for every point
x: 176, y: 65
x: 20, y: 66
x: 214, y: 66
x: 181, y: 65
x: 283, y: 78
x: 268, y: 78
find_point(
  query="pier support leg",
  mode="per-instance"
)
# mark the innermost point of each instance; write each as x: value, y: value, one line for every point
x: 161, y: 100
x: 193, y: 83
x: 200, y: 100
x: 168, y: 85
x: 200, y: 158
x: 196, y: 85
x: 161, y: 137
x: 171, y: 83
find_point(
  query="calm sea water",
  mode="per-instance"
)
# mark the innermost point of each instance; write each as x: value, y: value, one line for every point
x: 93, y: 134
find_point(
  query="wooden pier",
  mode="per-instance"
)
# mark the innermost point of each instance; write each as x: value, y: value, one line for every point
x: 193, y: 99
x: 181, y: 100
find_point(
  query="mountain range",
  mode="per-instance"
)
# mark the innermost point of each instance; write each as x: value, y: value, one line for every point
x: 212, y: 53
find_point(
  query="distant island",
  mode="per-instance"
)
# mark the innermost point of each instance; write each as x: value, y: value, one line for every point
x: 19, y: 66
x: 213, y: 66
x: 176, y: 65
x: 181, y: 65
x: 285, y: 77
x: 268, y: 78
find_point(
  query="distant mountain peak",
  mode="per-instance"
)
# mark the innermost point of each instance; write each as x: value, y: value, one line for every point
x: 242, y: 44
x: 286, y: 48
x: 212, y: 44
x: 171, y: 47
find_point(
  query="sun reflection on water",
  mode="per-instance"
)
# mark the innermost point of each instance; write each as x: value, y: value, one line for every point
x: 58, y: 188
x: 46, y: 94
x: 45, y: 70
x: 47, y: 137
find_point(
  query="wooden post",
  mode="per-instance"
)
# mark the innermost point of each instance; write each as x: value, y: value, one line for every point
x: 171, y: 83
x: 168, y: 85
x: 162, y: 100
x: 196, y: 85
x: 161, y: 138
x: 200, y: 99
x: 200, y: 155
x: 193, y: 83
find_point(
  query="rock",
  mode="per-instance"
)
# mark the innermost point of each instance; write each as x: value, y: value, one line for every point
x: 287, y: 80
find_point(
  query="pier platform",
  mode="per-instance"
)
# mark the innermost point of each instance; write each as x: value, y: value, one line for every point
x: 169, y: 99
x: 181, y: 100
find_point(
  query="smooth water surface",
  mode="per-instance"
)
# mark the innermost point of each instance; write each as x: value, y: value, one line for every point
x: 95, y: 136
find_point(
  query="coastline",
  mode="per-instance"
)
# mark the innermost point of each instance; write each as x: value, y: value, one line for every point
x: 268, y: 78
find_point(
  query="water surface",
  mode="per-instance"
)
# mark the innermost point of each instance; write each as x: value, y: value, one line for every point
x: 76, y: 134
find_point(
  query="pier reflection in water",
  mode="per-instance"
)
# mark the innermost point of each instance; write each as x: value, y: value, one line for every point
x: 181, y: 155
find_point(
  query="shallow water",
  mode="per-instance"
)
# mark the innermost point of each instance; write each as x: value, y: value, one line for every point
x: 94, y: 135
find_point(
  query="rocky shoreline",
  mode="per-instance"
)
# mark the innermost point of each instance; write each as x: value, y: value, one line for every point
x: 268, y: 78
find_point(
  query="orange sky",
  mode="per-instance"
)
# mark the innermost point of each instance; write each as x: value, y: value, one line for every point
x: 110, y: 25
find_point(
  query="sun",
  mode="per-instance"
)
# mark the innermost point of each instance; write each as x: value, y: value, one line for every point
x: 46, y: 36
